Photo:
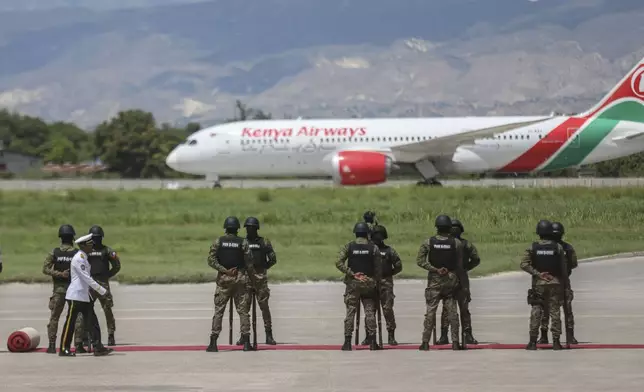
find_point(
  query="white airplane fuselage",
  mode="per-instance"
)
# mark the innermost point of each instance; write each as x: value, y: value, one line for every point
x: 278, y: 148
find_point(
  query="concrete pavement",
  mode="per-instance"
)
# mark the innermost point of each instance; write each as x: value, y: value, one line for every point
x: 607, y: 307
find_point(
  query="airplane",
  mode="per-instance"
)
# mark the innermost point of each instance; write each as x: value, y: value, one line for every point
x: 357, y: 152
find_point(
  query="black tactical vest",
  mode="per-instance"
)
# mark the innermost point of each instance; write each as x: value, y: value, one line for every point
x: 387, y: 261
x: 361, y: 258
x: 99, y: 262
x: 442, y: 253
x: 62, y: 262
x: 467, y: 253
x: 258, y: 248
x: 230, y: 252
x: 568, y: 251
x: 545, y: 258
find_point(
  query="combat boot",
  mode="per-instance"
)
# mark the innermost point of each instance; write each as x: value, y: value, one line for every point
x: 571, y: 333
x: 52, y: 347
x: 100, y: 350
x: 424, y: 346
x: 247, y: 345
x: 556, y: 344
x: 443, y: 339
x: 212, y: 347
x: 66, y: 353
x: 532, y: 345
x: 269, y: 337
x: 347, y: 343
x: 544, y: 337
x: 110, y: 340
x: 80, y: 349
x: 469, y: 339
x: 373, y: 344
x: 456, y: 346
x: 391, y: 339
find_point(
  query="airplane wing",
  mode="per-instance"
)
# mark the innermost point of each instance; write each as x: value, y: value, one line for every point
x: 446, y: 146
x: 628, y: 137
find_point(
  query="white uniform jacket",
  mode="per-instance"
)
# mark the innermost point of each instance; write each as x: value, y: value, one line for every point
x: 78, y: 289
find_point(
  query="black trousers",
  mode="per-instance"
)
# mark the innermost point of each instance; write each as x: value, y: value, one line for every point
x: 90, y: 322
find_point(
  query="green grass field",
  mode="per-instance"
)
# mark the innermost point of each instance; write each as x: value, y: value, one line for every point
x: 163, y: 236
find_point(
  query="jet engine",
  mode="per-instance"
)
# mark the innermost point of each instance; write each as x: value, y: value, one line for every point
x: 360, y: 167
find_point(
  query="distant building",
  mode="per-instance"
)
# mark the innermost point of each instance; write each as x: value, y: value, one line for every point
x: 17, y: 163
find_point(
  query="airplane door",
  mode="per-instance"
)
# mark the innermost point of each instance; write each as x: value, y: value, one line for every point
x: 573, y: 136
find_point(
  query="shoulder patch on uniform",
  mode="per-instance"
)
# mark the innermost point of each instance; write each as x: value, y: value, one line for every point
x: 82, y: 256
x: 113, y: 254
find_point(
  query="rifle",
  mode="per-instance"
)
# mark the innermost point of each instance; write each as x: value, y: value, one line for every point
x: 358, y: 323
x: 434, y: 331
x: 254, y: 320
x: 230, y: 323
x: 565, y: 281
x: 458, y: 304
x: 378, y: 306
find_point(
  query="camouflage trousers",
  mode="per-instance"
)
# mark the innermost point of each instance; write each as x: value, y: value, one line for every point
x: 464, y: 308
x: 56, y: 306
x: 235, y: 287
x: 352, y: 298
x: 545, y: 317
x: 550, y: 298
x: 107, y: 303
x: 441, y: 288
x: 262, y: 294
x: 387, y: 302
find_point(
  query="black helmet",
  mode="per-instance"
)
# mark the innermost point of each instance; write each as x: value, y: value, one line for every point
x: 231, y: 223
x: 558, y: 228
x: 379, y: 231
x: 96, y: 231
x: 251, y: 221
x: 368, y: 216
x: 66, y: 231
x: 443, y: 222
x: 361, y: 228
x: 544, y: 228
x: 457, y: 223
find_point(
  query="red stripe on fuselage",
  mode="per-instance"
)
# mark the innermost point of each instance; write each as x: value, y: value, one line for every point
x: 545, y: 148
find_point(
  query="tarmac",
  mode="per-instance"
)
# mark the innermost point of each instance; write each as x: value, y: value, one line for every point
x: 607, y: 307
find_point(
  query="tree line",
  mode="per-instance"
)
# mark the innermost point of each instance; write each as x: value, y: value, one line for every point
x: 133, y: 145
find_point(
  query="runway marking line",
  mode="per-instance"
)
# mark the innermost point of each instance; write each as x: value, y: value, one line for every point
x: 334, y: 347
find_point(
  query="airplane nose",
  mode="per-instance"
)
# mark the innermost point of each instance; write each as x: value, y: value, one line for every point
x: 172, y: 160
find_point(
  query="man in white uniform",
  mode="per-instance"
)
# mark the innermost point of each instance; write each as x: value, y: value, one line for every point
x: 79, y: 301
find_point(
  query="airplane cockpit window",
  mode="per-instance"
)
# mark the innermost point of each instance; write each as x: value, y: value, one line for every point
x: 192, y: 142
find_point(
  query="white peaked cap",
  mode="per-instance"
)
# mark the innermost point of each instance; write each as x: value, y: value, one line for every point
x: 83, y: 239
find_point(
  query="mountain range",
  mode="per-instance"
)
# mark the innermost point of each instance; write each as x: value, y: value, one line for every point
x: 190, y: 60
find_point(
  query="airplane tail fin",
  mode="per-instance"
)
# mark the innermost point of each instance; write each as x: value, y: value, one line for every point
x: 630, y: 88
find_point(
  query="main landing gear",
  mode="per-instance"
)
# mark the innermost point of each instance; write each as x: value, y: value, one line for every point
x: 215, y: 181
x: 429, y: 173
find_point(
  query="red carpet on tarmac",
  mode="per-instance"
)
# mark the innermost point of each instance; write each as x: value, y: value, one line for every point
x: 334, y: 347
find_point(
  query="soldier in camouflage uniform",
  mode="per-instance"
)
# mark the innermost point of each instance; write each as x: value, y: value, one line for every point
x: 231, y: 256
x: 391, y: 265
x: 471, y: 260
x: 263, y: 258
x: 105, y: 264
x: 442, y: 256
x: 362, y: 271
x: 57, y: 265
x: 571, y: 260
x: 545, y: 260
